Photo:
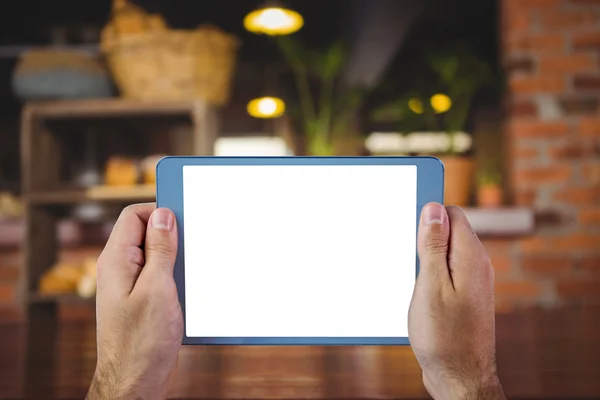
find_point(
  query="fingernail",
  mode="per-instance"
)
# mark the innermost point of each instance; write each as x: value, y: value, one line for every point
x: 434, y: 213
x: 162, y: 219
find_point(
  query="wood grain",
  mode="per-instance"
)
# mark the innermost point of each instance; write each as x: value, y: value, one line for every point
x: 542, y: 354
x: 109, y: 108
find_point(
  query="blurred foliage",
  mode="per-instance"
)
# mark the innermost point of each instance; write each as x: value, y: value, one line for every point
x: 452, y: 70
x: 328, y: 109
x: 489, y: 174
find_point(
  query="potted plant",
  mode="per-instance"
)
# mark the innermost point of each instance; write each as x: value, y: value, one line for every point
x: 461, y: 75
x: 489, y: 188
x: 441, y: 102
x: 328, y: 109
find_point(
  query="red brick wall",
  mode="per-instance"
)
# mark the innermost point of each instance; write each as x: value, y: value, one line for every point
x: 551, y: 52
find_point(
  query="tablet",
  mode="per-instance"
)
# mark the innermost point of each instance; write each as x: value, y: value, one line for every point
x: 297, y: 250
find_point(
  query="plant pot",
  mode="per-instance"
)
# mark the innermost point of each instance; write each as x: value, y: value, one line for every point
x: 458, y: 179
x: 351, y: 146
x: 489, y: 196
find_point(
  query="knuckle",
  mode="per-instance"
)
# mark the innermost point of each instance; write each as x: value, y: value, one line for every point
x: 436, y: 244
x: 135, y: 255
x: 130, y: 209
x: 160, y: 248
x: 454, y: 211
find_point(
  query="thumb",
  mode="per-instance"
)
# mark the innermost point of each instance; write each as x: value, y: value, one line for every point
x: 160, y: 247
x: 433, y: 243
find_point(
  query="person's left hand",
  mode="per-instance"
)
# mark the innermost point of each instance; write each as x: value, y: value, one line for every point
x: 139, y: 319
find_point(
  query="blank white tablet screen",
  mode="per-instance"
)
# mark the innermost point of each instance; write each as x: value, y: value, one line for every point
x: 299, y: 251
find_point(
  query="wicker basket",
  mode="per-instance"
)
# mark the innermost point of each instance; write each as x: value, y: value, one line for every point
x: 163, y: 64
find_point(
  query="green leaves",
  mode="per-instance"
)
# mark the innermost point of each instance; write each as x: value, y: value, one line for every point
x: 331, y: 62
x: 335, y: 109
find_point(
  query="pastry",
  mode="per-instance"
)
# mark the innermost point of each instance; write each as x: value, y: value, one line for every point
x: 121, y: 171
x: 149, y: 168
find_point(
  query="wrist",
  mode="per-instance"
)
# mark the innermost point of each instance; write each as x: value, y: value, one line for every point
x: 445, y: 386
x: 484, y: 389
x: 107, y: 384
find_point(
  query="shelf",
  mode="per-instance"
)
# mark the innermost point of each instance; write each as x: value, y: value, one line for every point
x: 38, y: 298
x: 115, y: 107
x: 501, y: 221
x: 132, y: 194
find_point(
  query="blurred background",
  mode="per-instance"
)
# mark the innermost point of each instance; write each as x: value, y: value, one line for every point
x: 505, y: 92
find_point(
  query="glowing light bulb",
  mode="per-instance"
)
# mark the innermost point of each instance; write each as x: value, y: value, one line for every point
x: 273, y: 21
x: 441, y: 103
x: 266, y: 107
x: 415, y: 105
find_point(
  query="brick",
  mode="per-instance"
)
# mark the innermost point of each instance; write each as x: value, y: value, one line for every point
x: 7, y: 293
x: 587, y: 83
x: 517, y: 289
x: 494, y: 246
x: 579, y: 195
x: 523, y: 109
x: 577, y: 242
x: 538, y: 129
x: 520, y: 64
x: 564, y: 20
x: 543, y: 175
x: 502, y: 263
x: 587, y: 41
x: 544, y: 265
x: 537, y: 84
x: 554, y: 43
x: 579, y: 289
x: 591, y: 172
x: 526, y: 153
x: 569, y: 151
x: 579, y: 105
x: 535, y: 244
x: 571, y: 63
x: 590, y: 127
x: 525, y: 197
x: 553, y: 218
x: 516, y: 22
x: 590, y: 216
x: 590, y: 264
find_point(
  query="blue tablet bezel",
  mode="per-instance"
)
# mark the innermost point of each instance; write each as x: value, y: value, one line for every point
x: 169, y: 194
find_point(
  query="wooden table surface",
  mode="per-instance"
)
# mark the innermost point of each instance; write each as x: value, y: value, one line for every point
x: 542, y: 354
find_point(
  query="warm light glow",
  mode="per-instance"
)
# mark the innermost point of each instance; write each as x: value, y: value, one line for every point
x: 441, y: 103
x: 415, y: 106
x: 274, y: 21
x: 251, y: 146
x: 266, y: 107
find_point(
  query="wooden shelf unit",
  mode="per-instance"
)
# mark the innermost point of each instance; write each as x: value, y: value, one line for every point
x: 134, y: 194
x: 38, y: 298
x: 43, y: 190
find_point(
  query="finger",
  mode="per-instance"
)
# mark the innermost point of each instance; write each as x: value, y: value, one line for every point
x: 160, y: 248
x: 433, y: 244
x: 122, y: 257
x: 468, y: 260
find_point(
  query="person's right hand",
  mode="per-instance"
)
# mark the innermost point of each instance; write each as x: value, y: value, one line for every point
x: 451, y: 320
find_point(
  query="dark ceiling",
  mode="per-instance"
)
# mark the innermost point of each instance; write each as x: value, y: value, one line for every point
x: 403, y: 26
